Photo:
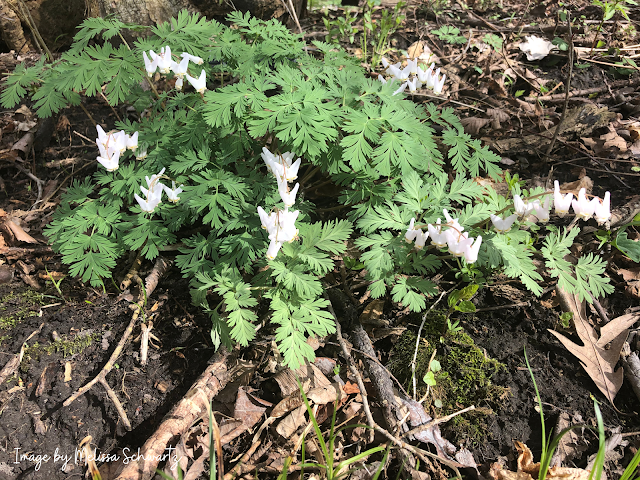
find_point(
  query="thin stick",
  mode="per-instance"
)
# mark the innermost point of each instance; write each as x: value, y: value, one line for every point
x: 566, y: 92
x: 436, y: 421
x: 352, y: 368
x: 415, y: 353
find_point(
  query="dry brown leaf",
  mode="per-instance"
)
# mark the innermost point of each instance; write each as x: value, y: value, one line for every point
x: 415, y: 50
x: 527, y: 470
x: 612, y: 139
x: 309, y: 375
x: 326, y: 394
x: 289, y: 424
x: 472, y: 125
x: 19, y: 233
x: 598, y: 361
x: 571, y: 445
x: 248, y: 410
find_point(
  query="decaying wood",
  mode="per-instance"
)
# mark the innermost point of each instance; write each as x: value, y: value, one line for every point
x: 175, y: 424
x: 631, y: 365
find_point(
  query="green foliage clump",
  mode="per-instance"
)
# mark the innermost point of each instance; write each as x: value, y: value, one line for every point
x: 465, y: 377
x: 383, y: 152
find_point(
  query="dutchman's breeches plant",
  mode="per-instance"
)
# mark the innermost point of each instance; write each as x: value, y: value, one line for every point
x: 259, y: 124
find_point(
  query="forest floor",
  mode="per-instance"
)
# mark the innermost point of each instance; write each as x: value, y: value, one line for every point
x: 55, y: 339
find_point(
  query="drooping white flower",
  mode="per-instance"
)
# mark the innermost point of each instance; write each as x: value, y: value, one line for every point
x: 288, y: 196
x: 192, y: 58
x: 503, y: 225
x: 398, y: 73
x: 603, y: 209
x: 424, y: 75
x: 582, y: 207
x: 110, y: 161
x: 521, y: 207
x: 141, y: 154
x: 411, y: 234
x: 153, y: 194
x: 132, y: 141
x: 542, y: 211
x: 414, y: 84
x: 280, y: 226
x: 163, y: 59
x: 401, y: 89
x: 471, y: 252
x: 562, y: 203
x: 438, y: 84
x: 150, y: 65
x: 457, y: 242
x: 421, y: 239
x: 200, y: 83
x: 438, y: 238
x: 173, y: 192
x: 452, y: 222
x: 180, y: 69
x: 280, y: 165
x: 179, y: 83
x: 412, y: 66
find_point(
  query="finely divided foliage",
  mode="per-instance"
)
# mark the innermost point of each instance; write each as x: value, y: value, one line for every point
x: 265, y: 90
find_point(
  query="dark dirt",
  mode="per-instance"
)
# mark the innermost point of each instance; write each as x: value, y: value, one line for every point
x: 184, y: 345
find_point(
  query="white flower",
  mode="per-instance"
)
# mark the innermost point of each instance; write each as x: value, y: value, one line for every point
x: 582, y: 207
x: 457, y: 242
x: 268, y: 221
x: 542, y: 211
x: 132, y: 141
x: 397, y: 72
x: 179, y: 83
x: 110, y: 162
x: 150, y: 66
x: 412, y: 66
x: 401, y: 89
x: 421, y: 239
x: 280, y: 165
x: 180, y: 69
x: 414, y: 84
x: 200, y: 83
x: 274, y: 248
x: 561, y: 203
x: 521, y: 207
x: 536, y: 48
x: 163, y: 60
x: 288, y: 196
x: 437, y: 238
x: 411, y: 234
x: 603, y: 209
x: 141, y: 154
x: 438, y: 85
x: 382, y: 79
x: 192, y: 58
x: 471, y: 252
x: 424, y: 75
x: 503, y: 225
x: 173, y: 192
x: 153, y: 194
x: 452, y: 222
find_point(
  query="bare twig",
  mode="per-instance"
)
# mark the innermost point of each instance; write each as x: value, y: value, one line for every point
x: 415, y: 353
x: 566, y: 91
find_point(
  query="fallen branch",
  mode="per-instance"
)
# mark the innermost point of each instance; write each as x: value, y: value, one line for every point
x: 176, y: 423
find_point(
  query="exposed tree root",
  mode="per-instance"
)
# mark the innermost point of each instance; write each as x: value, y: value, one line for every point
x: 176, y: 423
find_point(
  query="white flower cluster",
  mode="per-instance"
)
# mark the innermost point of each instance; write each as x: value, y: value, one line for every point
x: 281, y: 224
x: 454, y: 237
x: 165, y: 63
x: 413, y: 76
x: 153, y: 192
x: 536, y: 211
x: 113, y: 144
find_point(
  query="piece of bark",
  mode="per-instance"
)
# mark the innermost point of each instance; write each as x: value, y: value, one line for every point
x: 176, y: 423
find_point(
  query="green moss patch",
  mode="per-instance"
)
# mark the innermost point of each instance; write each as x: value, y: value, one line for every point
x: 16, y: 306
x: 464, y: 380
